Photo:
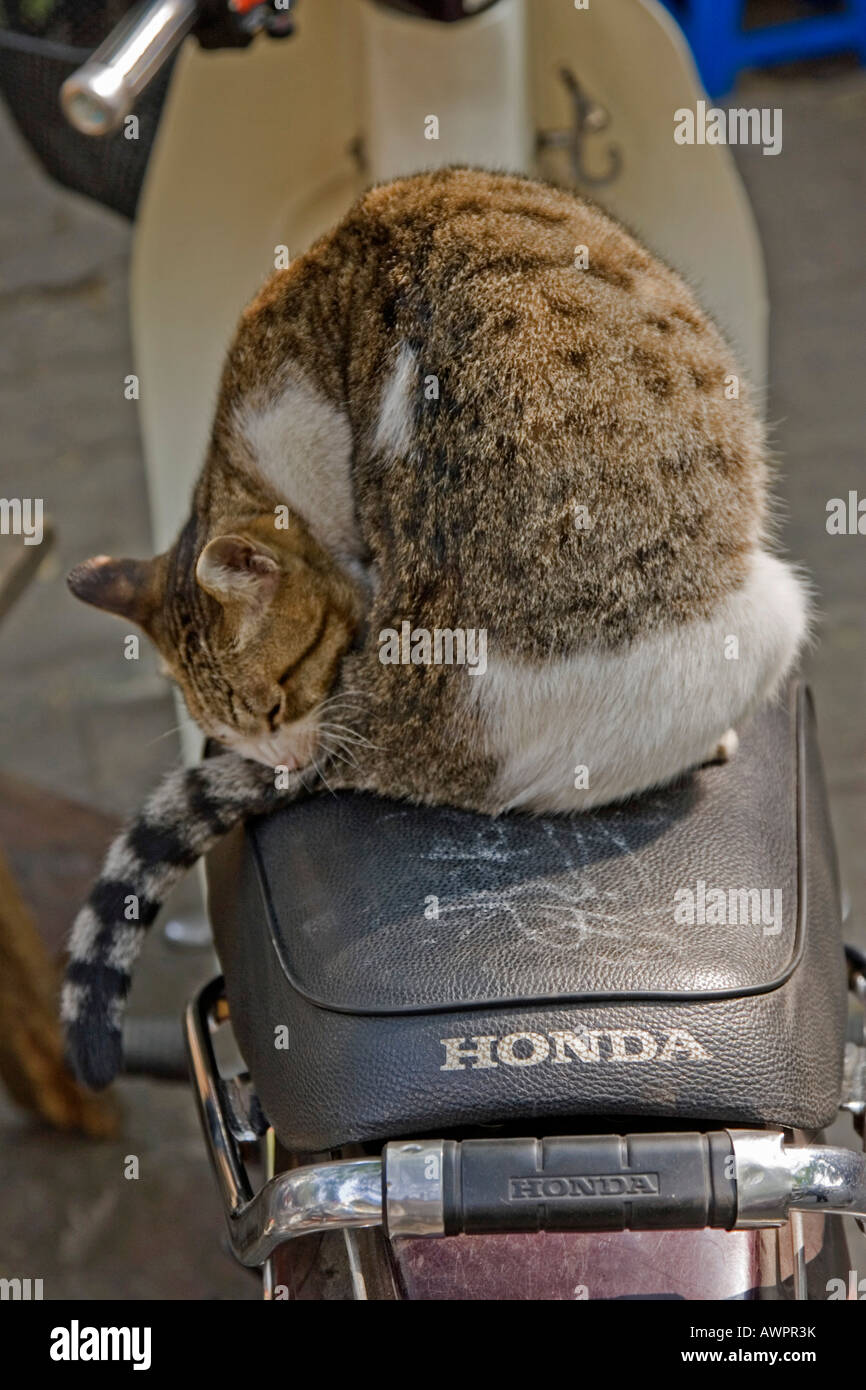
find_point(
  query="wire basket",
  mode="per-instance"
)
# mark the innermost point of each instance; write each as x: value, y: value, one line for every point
x: 41, y: 43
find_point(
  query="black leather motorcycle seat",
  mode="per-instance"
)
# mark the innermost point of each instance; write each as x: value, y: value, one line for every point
x: 394, y: 969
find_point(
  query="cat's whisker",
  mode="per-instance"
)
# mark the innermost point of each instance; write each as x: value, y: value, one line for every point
x: 347, y: 732
x: 342, y: 711
x: 319, y: 773
x: 178, y: 728
x: 349, y: 738
x: 339, y: 694
x: 336, y: 716
x: 336, y: 746
x: 342, y: 697
x: 348, y: 759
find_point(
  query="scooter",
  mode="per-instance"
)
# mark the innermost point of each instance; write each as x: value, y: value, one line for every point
x: 525, y: 1058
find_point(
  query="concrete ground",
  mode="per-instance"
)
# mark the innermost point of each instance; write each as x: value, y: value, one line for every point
x: 78, y: 719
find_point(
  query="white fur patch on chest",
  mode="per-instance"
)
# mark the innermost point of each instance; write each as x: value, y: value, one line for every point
x: 301, y: 446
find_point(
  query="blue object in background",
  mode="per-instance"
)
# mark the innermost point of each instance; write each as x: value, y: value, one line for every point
x: 722, y: 47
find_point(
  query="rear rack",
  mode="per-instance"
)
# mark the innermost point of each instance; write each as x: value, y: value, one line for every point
x: 729, y: 1179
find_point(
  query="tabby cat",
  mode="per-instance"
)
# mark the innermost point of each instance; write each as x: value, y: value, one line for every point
x: 448, y: 416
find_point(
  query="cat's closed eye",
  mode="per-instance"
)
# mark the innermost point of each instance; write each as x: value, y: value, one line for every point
x: 273, y: 714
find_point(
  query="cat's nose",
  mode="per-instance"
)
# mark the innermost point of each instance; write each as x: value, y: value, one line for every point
x: 274, y: 751
x: 265, y: 750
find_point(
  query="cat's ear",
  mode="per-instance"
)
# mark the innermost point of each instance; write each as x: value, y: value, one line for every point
x: 235, y: 567
x: 129, y: 588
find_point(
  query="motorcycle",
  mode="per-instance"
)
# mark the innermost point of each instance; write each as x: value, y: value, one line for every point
x: 487, y: 1059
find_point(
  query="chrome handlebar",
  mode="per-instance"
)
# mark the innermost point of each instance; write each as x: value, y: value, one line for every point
x: 98, y: 96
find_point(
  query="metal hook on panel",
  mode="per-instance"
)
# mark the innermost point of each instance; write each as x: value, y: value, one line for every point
x: 589, y: 118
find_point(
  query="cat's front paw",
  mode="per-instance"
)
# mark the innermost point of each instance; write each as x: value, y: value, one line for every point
x: 94, y: 1044
x: 727, y: 746
x: 724, y: 750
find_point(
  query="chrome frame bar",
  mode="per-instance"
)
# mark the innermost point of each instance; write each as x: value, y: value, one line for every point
x: 322, y: 1197
x: 773, y: 1178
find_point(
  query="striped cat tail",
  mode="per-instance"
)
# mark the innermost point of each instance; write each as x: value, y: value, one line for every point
x: 191, y: 809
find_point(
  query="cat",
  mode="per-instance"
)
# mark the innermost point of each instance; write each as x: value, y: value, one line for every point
x: 447, y: 415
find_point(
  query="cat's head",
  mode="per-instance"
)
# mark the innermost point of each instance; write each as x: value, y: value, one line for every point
x: 251, y: 625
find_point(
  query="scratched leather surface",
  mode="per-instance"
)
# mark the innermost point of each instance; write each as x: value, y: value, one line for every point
x: 535, y: 907
x: 543, y: 924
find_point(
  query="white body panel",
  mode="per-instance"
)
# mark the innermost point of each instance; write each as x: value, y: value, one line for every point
x: 472, y: 76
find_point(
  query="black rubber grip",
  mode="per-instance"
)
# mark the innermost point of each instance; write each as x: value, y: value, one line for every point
x: 636, y: 1182
x: 155, y: 1047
